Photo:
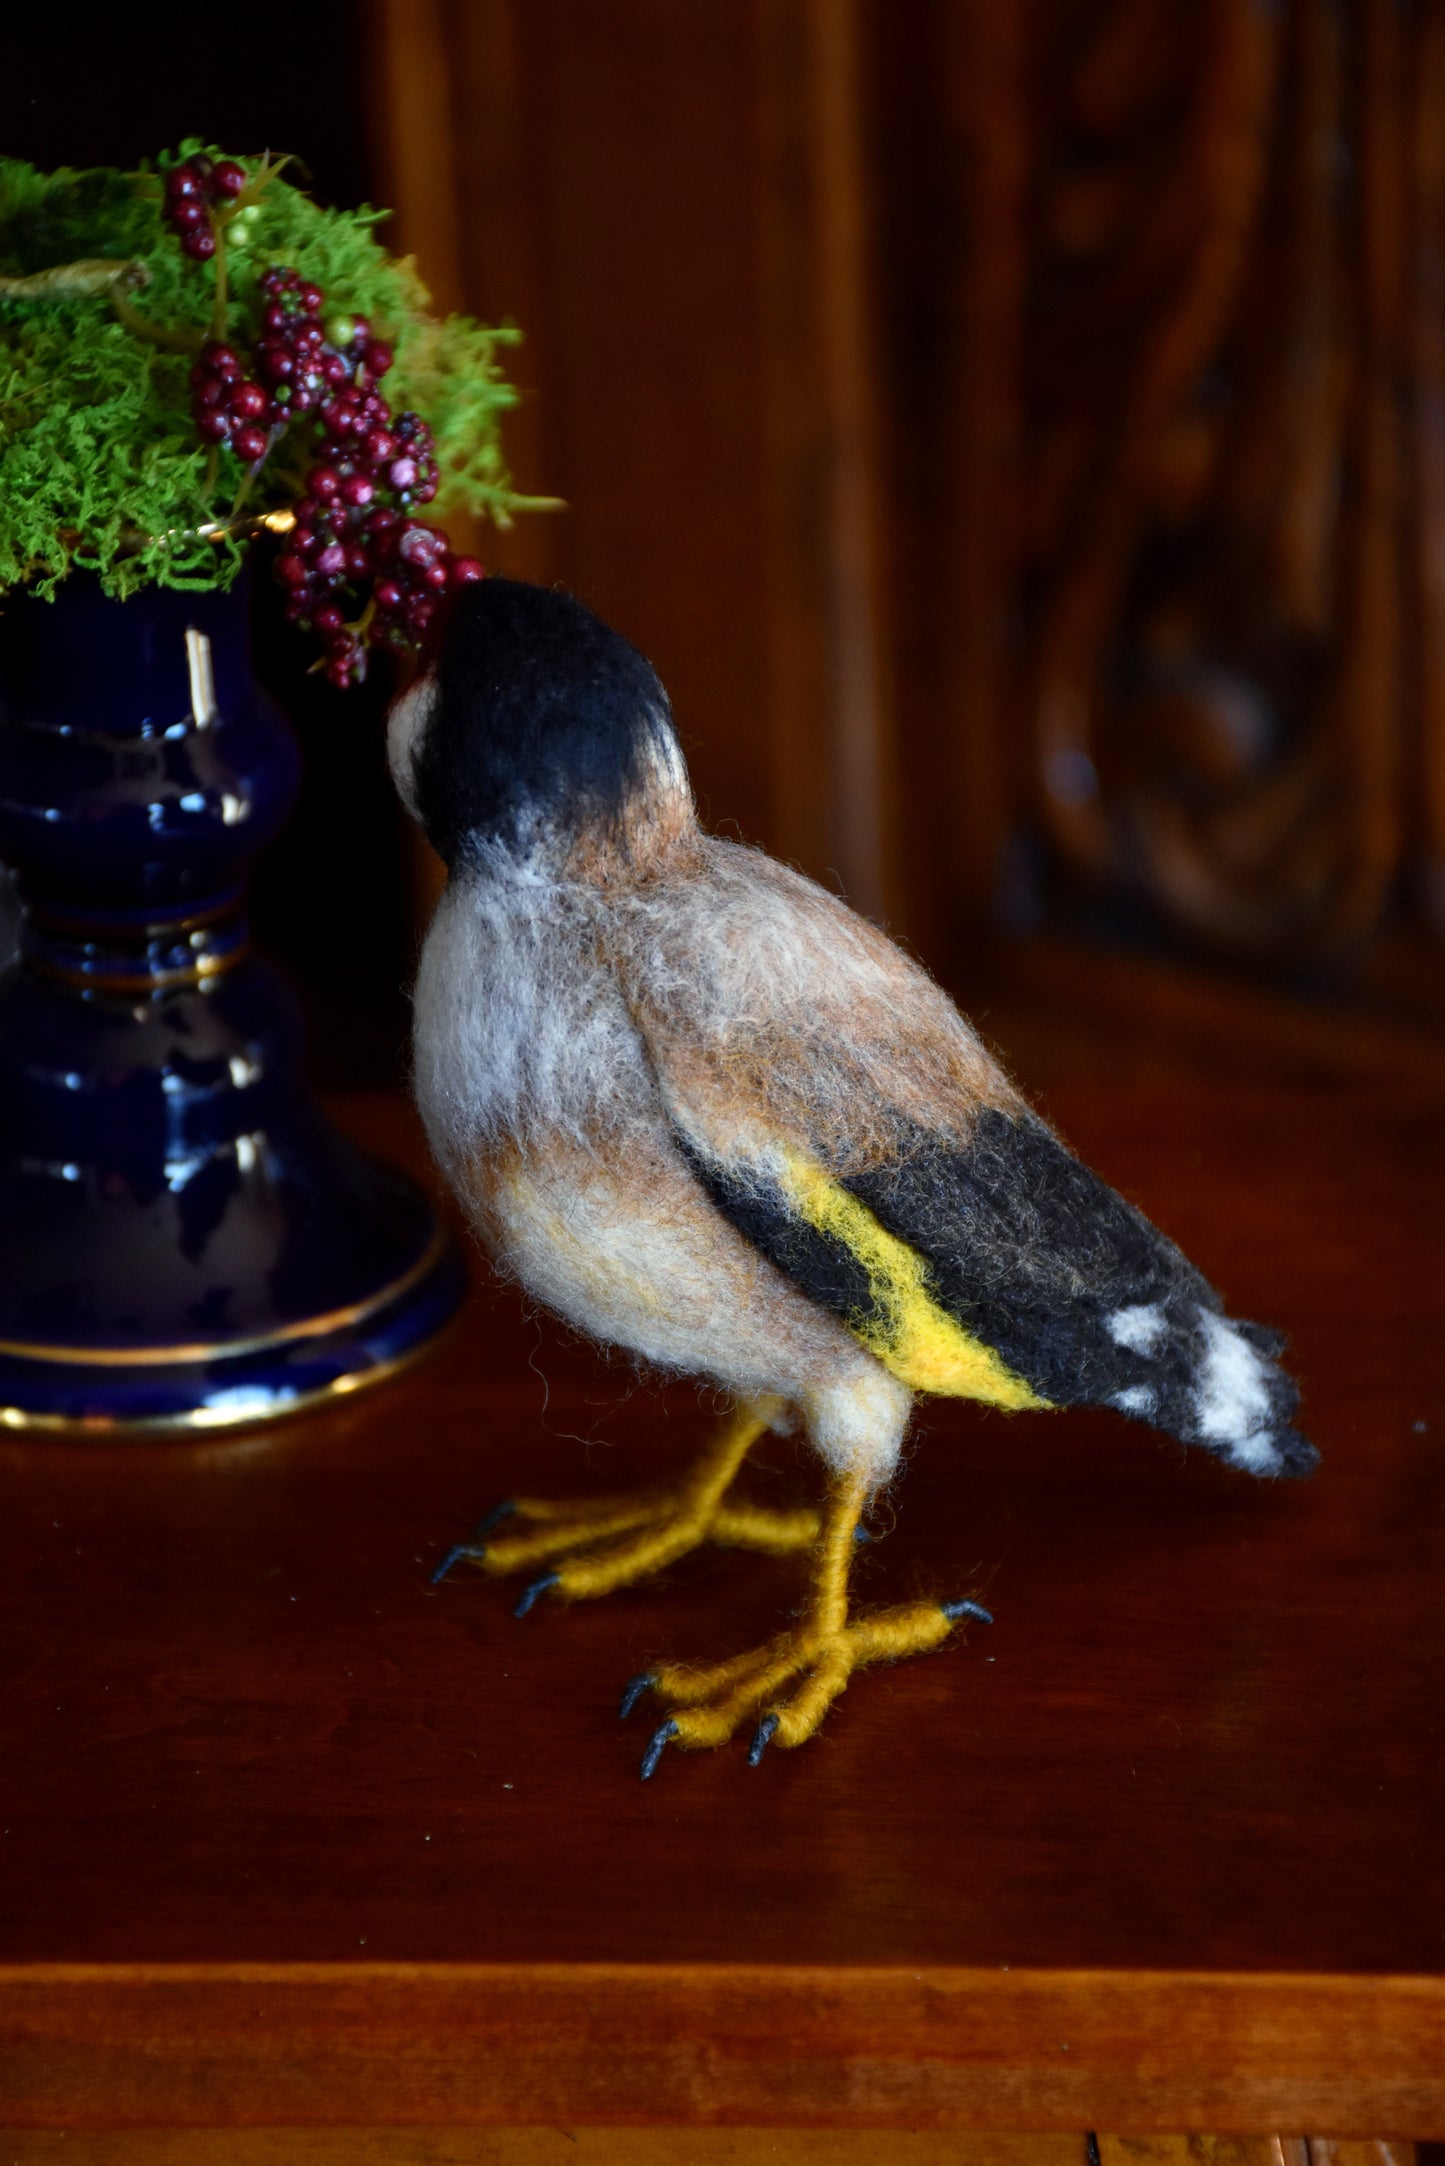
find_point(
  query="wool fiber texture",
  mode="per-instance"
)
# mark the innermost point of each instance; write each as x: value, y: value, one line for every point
x: 707, y: 1113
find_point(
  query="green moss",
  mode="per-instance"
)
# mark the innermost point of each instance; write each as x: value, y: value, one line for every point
x: 99, y: 462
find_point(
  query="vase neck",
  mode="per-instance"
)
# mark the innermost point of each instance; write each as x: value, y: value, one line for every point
x: 140, y: 770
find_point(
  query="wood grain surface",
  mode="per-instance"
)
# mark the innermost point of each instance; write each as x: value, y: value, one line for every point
x: 552, y: 2147
x: 290, y: 1836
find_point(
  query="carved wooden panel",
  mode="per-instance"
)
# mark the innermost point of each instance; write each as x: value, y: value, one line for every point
x: 1232, y: 560
x: 998, y: 422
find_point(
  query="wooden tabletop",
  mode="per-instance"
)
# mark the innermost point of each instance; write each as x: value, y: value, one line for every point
x: 290, y: 1835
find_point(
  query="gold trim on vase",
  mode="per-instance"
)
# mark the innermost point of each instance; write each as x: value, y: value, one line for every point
x: 310, y: 1327
x: 200, y: 972
x: 17, y: 1421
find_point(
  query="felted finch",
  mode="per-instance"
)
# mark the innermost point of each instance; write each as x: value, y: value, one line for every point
x: 697, y: 1106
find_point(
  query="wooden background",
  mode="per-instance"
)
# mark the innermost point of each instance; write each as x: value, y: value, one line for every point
x: 1016, y: 433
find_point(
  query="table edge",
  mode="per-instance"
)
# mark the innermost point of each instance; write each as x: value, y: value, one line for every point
x: 611, y: 2044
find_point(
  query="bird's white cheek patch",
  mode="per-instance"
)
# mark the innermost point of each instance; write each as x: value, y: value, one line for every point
x: 1231, y: 1398
x: 404, y: 727
x: 663, y: 763
x: 1139, y: 1328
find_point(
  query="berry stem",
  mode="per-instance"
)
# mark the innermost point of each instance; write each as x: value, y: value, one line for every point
x: 171, y: 341
x: 248, y: 479
x: 218, y: 306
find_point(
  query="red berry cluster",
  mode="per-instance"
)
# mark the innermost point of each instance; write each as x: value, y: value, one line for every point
x: 359, y: 570
x: 360, y: 573
x: 193, y: 191
x: 292, y: 354
x: 230, y: 407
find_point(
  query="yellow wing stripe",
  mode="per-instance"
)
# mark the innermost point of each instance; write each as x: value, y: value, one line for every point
x: 910, y: 1334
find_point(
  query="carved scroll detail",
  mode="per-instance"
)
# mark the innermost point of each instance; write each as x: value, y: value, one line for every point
x: 1236, y: 407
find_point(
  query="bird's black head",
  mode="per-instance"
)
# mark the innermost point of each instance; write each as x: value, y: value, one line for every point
x: 536, y: 720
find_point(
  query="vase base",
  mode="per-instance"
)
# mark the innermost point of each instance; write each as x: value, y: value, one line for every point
x: 201, y: 1391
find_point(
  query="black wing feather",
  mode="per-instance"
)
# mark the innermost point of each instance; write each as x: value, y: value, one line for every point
x: 1033, y: 1253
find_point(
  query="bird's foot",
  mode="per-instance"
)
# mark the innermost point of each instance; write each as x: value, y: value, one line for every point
x: 706, y: 1705
x: 591, y: 1546
x: 591, y: 1550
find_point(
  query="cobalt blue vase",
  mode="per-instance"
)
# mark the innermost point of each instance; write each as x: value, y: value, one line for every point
x: 185, y: 1244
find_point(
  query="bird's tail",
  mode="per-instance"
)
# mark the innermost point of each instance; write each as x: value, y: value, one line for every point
x: 1212, y: 1380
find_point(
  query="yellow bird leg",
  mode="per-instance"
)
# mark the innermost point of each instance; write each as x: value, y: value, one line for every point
x: 598, y: 1544
x: 708, y: 1703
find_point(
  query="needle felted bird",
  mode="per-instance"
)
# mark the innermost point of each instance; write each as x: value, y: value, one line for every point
x: 693, y: 1103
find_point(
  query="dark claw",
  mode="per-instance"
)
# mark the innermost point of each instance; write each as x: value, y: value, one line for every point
x: 657, y: 1745
x: 632, y: 1692
x: 458, y: 1549
x: 954, y: 1610
x: 475, y: 1540
x: 530, y: 1594
x: 762, y: 1737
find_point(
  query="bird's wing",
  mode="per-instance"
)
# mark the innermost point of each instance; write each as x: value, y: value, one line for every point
x: 845, y: 1118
